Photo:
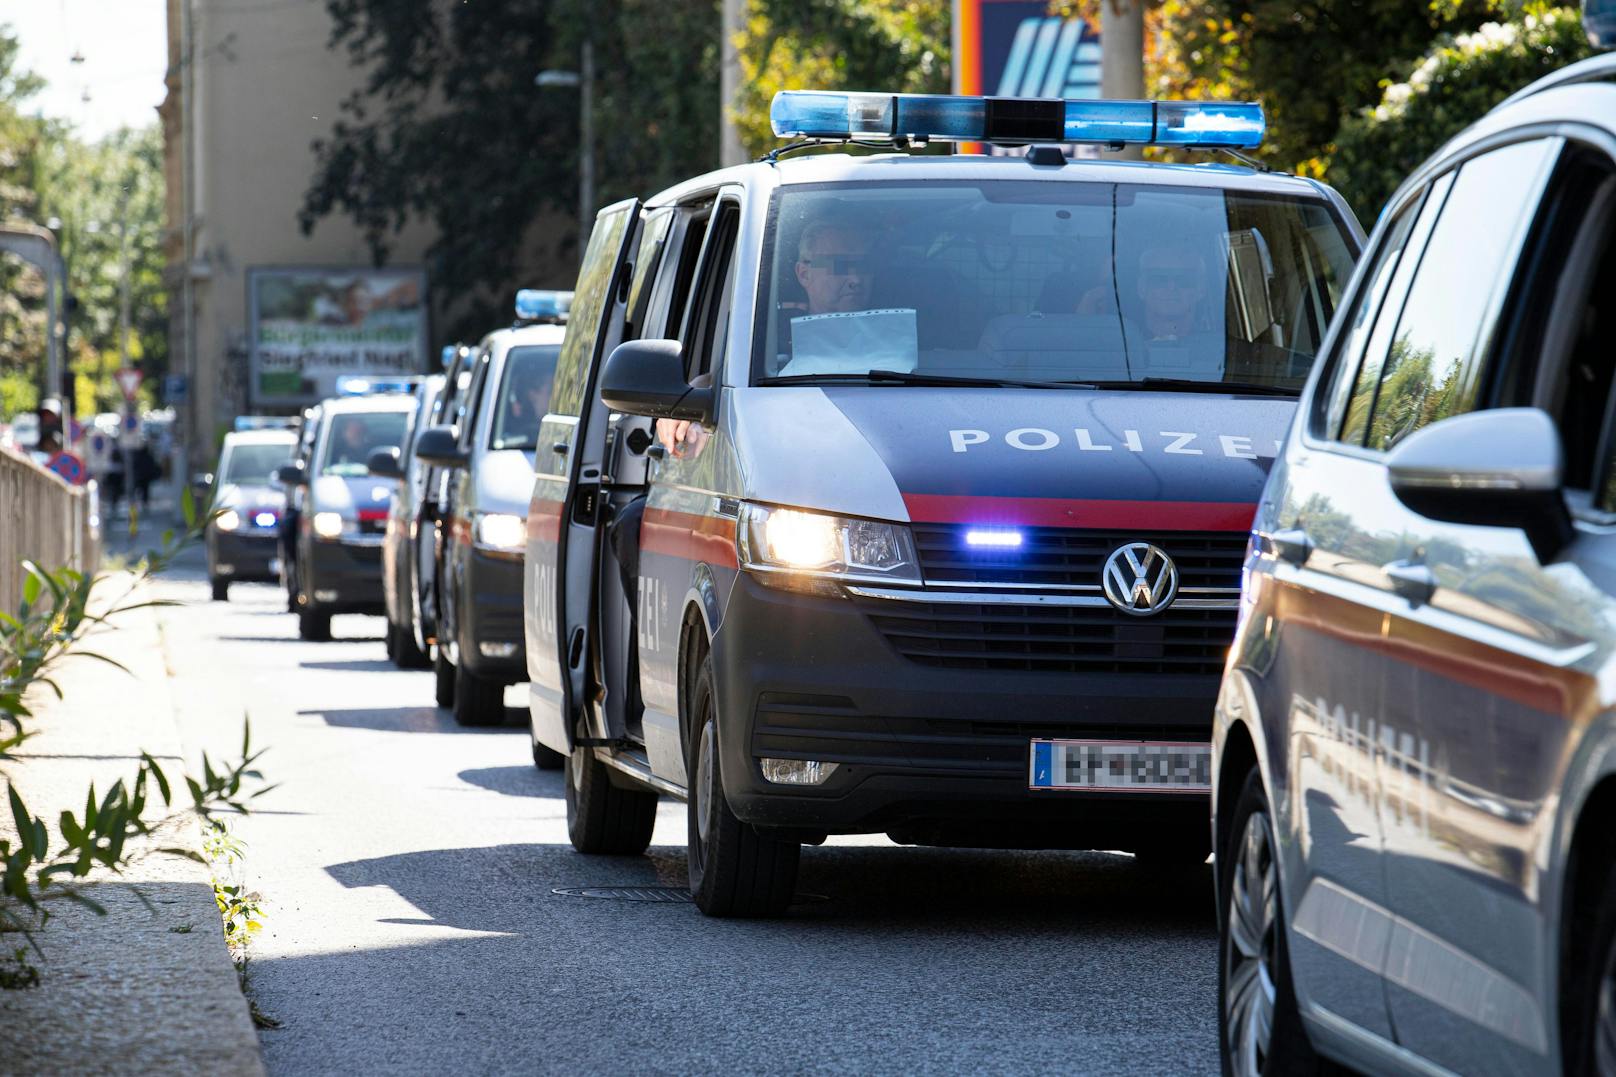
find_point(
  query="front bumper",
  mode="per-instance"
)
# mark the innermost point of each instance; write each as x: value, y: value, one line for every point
x: 490, y: 618
x: 343, y: 577
x: 243, y: 555
x: 930, y: 755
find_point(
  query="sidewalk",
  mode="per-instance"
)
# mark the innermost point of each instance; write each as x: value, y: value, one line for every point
x: 136, y: 991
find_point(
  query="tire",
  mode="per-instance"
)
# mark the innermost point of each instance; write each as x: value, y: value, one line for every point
x: 478, y: 701
x: 1253, y: 961
x: 314, y: 626
x: 601, y: 818
x: 443, y: 677
x: 406, y: 655
x: 1595, y: 1046
x: 390, y: 641
x: 734, y: 870
x: 547, y: 758
x: 221, y: 589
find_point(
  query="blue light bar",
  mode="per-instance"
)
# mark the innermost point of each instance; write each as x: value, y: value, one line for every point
x: 447, y: 356
x: 533, y: 304
x: 357, y: 386
x: 996, y: 539
x: 1015, y: 120
x: 264, y: 519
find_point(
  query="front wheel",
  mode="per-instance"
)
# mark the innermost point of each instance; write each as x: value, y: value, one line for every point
x: 443, y: 677
x: 1260, y: 1031
x: 221, y: 589
x: 547, y: 758
x: 1595, y: 1042
x: 478, y: 701
x: 601, y: 817
x: 734, y: 870
x: 313, y: 625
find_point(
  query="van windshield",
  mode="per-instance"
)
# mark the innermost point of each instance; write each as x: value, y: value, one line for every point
x: 524, y: 396
x: 254, y: 464
x: 355, y: 436
x: 1050, y: 282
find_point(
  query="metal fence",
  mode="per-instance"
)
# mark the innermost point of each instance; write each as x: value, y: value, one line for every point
x: 45, y: 520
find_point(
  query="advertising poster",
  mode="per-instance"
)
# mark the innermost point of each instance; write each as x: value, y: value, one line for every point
x: 310, y: 326
x: 1016, y: 48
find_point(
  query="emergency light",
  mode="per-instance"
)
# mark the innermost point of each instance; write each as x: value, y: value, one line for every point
x: 532, y: 304
x: 1208, y: 124
x: 447, y: 356
x: 357, y: 386
x: 994, y: 538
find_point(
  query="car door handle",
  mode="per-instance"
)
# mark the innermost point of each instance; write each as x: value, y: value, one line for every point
x: 1411, y: 579
x: 1290, y: 544
x: 560, y: 448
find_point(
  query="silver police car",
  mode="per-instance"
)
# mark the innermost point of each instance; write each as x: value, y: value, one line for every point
x: 1414, y: 748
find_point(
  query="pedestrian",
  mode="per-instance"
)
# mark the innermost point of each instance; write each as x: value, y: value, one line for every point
x: 145, y: 470
x: 112, y: 481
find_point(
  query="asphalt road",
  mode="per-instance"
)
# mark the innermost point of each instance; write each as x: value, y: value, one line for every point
x: 409, y: 871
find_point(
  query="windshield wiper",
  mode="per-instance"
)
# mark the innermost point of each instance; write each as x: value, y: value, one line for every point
x: 910, y: 377
x: 1196, y: 385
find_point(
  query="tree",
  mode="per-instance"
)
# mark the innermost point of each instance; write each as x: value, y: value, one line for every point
x: 896, y: 46
x: 22, y: 288
x: 449, y: 126
x: 1455, y: 84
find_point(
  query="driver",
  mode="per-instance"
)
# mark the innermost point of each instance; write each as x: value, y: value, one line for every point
x: 353, y: 444
x: 833, y: 267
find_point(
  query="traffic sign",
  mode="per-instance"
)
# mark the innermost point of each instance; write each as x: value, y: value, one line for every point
x: 68, y: 466
x: 128, y: 380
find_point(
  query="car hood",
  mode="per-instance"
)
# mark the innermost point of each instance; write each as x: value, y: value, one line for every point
x: 250, y: 497
x: 363, y: 495
x: 1055, y: 458
x: 505, y: 481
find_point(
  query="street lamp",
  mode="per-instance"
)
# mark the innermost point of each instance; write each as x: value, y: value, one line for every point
x: 584, y: 80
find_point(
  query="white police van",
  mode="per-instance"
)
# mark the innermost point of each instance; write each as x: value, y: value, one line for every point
x: 938, y: 529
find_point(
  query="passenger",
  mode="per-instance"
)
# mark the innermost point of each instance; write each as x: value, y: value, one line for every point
x: 1172, y: 283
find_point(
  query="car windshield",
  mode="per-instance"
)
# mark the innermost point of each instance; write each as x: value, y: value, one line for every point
x: 354, y: 437
x: 524, y: 396
x: 254, y: 464
x: 1017, y: 281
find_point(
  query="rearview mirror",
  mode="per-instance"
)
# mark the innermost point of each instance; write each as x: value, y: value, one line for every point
x: 1498, y: 468
x: 383, y: 463
x: 647, y: 377
x: 291, y: 475
x: 440, y: 446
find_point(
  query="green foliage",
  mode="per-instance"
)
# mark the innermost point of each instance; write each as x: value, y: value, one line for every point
x: 240, y: 908
x: 890, y: 45
x: 1454, y: 85
x: 450, y: 127
x: 1309, y: 64
x: 54, y: 621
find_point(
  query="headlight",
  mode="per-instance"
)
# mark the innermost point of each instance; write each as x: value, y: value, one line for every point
x: 791, y: 541
x: 501, y: 531
x: 228, y: 520
x: 328, y: 525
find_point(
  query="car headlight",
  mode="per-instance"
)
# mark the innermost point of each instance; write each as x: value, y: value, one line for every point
x: 228, y: 520
x: 501, y: 531
x: 792, y: 542
x: 328, y: 525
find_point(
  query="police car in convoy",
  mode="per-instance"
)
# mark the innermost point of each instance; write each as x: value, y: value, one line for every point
x: 490, y: 457
x: 241, y: 538
x: 908, y: 494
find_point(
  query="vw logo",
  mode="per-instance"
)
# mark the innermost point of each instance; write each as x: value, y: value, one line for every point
x: 1139, y: 579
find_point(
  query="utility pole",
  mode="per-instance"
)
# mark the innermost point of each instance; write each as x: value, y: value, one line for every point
x: 730, y: 150
x: 583, y: 80
x: 1122, y: 54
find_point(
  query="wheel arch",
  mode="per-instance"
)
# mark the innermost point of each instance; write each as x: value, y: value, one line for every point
x: 1590, y: 853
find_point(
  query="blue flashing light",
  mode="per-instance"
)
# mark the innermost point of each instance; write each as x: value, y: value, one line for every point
x: 353, y: 385
x: 264, y: 519
x: 993, y: 539
x: 447, y: 356
x: 1015, y: 120
x: 534, y: 304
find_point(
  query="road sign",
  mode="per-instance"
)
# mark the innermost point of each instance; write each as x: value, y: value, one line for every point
x: 128, y: 380
x: 67, y: 466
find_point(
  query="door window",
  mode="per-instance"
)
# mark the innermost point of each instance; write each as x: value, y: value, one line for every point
x: 474, y: 399
x: 706, y: 321
x: 1434, y: 365
x: 589, y: 300
x: 653, y: 241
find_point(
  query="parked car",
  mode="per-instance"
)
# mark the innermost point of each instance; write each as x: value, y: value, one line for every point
x: 343, y: 508
x: 1414, y: 748
x: 241, y: 540
x: 491, y: 456
x: 941, y: 533
x: 402, y: 546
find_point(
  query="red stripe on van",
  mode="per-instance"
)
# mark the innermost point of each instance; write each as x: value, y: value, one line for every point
x: 689, y: 536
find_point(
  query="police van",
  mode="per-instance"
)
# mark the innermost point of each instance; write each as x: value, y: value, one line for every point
x: 908, y: 494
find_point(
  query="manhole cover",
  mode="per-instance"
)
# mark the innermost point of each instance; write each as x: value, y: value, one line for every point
x: 668, y: 894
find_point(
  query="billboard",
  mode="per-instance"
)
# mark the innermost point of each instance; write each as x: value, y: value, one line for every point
x: 309, y: 326
x: 1016, y: 48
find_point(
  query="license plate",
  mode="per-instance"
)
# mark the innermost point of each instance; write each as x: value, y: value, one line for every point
x: 1122, y: 766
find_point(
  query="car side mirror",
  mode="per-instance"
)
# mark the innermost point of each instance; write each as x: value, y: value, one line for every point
x: 1497, y: 468
x: 647, y: 377
x: 440, y: 446
x: 292, y: 475
x: 384, y: 463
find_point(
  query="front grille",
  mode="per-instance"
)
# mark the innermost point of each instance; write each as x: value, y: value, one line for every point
x: 1060, y: 556
x: 1054, y: 639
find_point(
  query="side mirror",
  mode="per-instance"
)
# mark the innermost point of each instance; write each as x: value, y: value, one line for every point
x: 292, y: 475
x: 647, y: 377
x: 440, y: 446
x: 384, y: 463
x: 1498, y: 468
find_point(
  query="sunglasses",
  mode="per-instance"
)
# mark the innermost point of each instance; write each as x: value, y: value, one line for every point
x: 841, y: 265
x: 1182, y: 279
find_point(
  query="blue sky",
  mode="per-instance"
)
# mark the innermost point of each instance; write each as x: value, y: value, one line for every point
x: 125, y: 50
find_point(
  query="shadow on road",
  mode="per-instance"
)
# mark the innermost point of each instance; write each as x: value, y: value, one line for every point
x: 522, y: 781
x: 406, y: 720
x: 357, y: 665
